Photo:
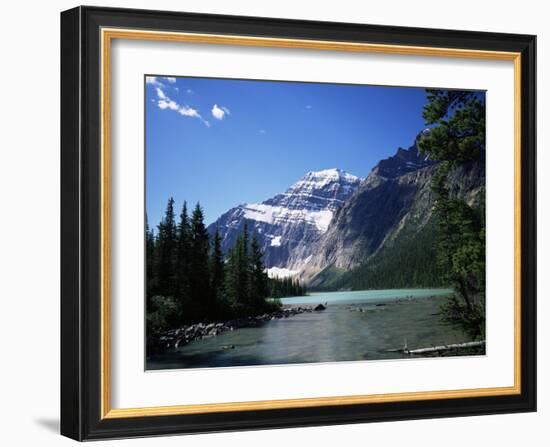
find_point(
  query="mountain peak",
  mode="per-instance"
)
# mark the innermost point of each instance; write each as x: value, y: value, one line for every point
x: 403, y: 161
x: 317, y: 190
x: 330, y: 172
x: 324, y: 178
x: 292, y: 220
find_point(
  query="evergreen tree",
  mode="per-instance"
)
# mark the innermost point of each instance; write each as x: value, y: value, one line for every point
x: 183, y: 255
x: 149, y: 261
x: 242, y: 272
x: 406, y: 262
x: 231, y: 285
x: 258, y: 277
x: 247, y: 284
x: 285, y: 287
x: 166, y: 252
x: 458, y: 132
x: 199, y: 275
x: 217, y: 272
x: 189, y: 281
x: 458, y: 138
x: 244, y: 265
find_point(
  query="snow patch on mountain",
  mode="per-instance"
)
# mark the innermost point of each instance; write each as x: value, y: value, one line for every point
x: 276, y: 241
x: 278, y: 272
x: 281, y: 215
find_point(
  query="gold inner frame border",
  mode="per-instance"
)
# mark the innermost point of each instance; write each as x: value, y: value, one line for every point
x: 107, y: 36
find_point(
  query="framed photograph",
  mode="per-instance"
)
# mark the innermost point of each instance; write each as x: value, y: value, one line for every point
x: 275, y: 223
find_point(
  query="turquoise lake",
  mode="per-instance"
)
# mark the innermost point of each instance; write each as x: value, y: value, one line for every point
x: 364, y: 296
x: 359, y: 325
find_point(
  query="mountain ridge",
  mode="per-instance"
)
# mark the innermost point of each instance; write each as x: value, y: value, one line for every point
x: 331, y: 221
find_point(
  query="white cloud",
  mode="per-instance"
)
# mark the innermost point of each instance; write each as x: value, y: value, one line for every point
x: 220, y: 112
x: 165, y: 103
x: 188, y: 111
x: 168, y: 104
x: 160, y: 93
x: 160, y: 82
x: 308, y: 106
x: 189, y: 91
x: 262, y: 131
x: 153, y: 80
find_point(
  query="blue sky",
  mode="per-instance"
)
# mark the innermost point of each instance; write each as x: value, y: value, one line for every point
x: 225, y: 142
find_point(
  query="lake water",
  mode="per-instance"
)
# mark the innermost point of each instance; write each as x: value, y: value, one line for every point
x: 360, y: 325
x: 364, y: 296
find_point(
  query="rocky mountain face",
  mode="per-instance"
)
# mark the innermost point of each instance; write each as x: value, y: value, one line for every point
x: 331, y: 222
x: 291, y: 222
x: 377, y: 208
x: 393, y: 206
x: 403, y: 162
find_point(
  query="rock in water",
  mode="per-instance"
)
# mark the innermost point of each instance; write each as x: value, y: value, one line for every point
x: 319, y: 307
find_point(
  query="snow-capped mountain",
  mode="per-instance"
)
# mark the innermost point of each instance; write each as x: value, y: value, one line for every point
x: 330, y: 222
x: 291, y: 222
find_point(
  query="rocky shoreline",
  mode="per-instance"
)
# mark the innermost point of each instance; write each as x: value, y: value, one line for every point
x: 183, y: 335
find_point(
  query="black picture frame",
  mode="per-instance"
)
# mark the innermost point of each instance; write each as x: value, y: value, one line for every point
x: 81, y: 391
